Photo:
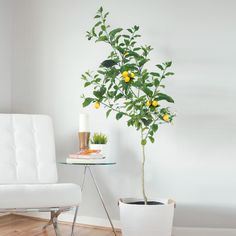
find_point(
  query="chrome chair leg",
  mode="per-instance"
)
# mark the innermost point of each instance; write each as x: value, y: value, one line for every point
x: 54, y: 221
x: 54, y: 218
x: 48, y: 224
x: 74, y: 221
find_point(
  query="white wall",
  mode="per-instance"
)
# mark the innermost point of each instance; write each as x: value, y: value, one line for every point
x: 5, y: 55
x: 192, y: 161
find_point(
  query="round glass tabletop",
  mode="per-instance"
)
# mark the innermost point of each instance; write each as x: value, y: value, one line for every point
x: 87, y: 163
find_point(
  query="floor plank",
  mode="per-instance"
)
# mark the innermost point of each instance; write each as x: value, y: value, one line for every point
x: 15, y: 225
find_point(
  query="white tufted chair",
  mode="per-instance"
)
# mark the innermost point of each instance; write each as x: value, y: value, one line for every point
x: 28, y: 172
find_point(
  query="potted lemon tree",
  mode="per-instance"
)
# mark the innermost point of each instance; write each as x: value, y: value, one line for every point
x: 123, y: 85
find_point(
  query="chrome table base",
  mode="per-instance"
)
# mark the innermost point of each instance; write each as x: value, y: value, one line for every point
x: 87, y: 167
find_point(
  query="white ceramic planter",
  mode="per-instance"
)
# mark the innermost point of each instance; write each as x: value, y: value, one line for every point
x: 146, y: 220
x: 102, y: 147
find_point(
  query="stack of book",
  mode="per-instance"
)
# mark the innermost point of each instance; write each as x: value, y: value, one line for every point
x: 85, y: 156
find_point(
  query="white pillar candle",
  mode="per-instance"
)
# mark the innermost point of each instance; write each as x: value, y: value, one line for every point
x: 83, y: 122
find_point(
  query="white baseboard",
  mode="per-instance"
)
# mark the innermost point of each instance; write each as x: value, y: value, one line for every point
x: 177, y: 231
x: 3, y: 214
x: 181, y: 231
x: 85, y: 220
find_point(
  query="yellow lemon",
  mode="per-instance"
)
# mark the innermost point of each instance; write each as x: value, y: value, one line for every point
x: 125, y: 74
x: 97, y: 105
x: 132, y: 75
x: 155, y: 103
x: 148, y: 103
x: 126, y: 54
x: 127, y: 79
x: 166, y: 117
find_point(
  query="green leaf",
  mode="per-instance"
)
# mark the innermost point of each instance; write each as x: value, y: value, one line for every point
x: 169, y: 74
x: 102, y: 39
x: 97, y: 94
x: 119, y: 115
x: 144, y: 142
x: 162, y: 96
x: 108, y: 112
x: 103, y: 90
x: 129, y: 107
x: 103, y: 27
x: 126, y: 42
x: 154, y: 127
x: 87, y: 101
x: 137, y: 84
x: 151, y: 133
x: 115, y: 31
x: 126, y: 36
x: 97, y: 24
x: 134, y: 54
x: 155, y: 74
x: 93, y: 32
x: 147, y: 91
x: 101, y: 72
x: 130, y: 122
x: 100, y: 9
x: 136, y: 27
x: 108, y: 63
x: 168, y: 64
x: 87, y: 84
x: 151, y: 139
x: 156, y: 82
x: 160, y: 67
x: 120, y: 95
x: 146, y: 122
x: 143, y: 61
x: 106, y: 14
x: 120, y: 49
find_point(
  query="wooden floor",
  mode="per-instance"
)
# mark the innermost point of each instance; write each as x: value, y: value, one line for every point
x: 15, y: 225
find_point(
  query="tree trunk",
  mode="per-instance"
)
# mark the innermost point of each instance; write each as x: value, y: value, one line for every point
x: 143, y: 174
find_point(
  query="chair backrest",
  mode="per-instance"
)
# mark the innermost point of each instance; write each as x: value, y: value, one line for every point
x: 27, y: 149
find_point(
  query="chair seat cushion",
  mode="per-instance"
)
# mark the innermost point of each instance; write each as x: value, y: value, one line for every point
x: 39, y: 195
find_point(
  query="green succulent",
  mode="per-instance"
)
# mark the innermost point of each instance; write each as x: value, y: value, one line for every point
x: 99, y: 138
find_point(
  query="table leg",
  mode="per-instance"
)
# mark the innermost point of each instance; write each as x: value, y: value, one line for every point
x: 77, y: 207
x: 101, y: 198
x: 84, y: 176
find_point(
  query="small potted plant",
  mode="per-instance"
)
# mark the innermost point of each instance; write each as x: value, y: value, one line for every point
x: 124, y: 86
x: 99, y: 142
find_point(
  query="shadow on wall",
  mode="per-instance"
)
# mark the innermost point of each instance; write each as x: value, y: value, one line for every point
x: 125, y: 174
x: 205, y: 216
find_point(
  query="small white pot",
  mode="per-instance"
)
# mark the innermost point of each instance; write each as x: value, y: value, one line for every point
x: 146, y: 220
x: 102, y: 147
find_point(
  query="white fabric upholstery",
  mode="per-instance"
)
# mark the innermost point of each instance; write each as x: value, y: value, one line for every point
x: 27, y: 151
x: 28, y: 172
x: 39, y: 195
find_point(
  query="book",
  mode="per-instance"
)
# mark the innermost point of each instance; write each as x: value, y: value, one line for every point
x: 86, y: 155
x: 84, y: 160
x: 89, y: 156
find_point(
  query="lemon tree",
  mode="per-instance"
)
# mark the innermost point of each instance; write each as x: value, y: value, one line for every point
x: 123, y: 85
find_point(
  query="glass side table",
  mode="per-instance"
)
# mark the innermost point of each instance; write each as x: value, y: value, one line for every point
x: 87, y: 168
